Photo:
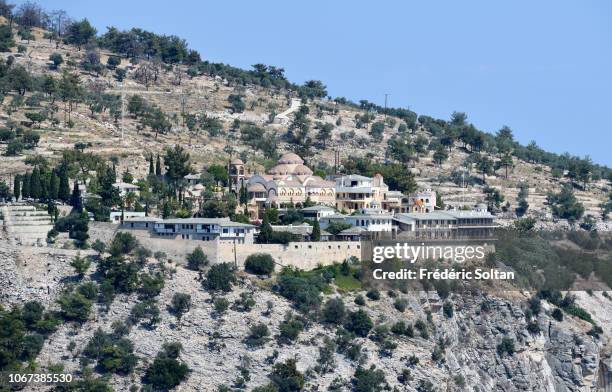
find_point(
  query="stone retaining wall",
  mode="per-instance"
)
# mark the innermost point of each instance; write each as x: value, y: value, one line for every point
x: 304, y: 255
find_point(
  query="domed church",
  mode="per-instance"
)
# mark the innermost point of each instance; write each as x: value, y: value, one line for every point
x: 290, y: 181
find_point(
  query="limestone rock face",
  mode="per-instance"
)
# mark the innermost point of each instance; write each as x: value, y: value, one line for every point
x: 561, y: 357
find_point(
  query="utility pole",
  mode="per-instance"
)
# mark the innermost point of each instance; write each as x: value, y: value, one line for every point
x: 386, y: 97
x: 122, y: 110
x: 462, y: 189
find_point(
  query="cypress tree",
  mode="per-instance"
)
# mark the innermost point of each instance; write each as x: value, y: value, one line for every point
x: 166, y: 210
x: 158, y: 170
x: 51, y: 207
x: 151, y: 168
x: 75, y: 199
x: 108, y: 193
x: 265, y: 233
x: 63, y: 192
x: 316, y: 232
x: 25, y: 188
x: 44, y: 184
x: 244, y: 196
x: 53, y: 185
x: 35, y: 189
x: 17, y: 187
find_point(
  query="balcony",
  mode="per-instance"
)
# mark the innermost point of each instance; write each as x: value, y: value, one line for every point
x: 163, y: 230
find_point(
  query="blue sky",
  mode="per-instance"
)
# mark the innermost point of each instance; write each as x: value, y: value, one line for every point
x: 544, y: 68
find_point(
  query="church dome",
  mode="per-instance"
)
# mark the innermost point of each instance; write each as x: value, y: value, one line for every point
x: 290, y: 158
x: 284, y: 169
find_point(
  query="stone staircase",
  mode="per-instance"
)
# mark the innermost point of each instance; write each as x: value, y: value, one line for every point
x: 24, y: 225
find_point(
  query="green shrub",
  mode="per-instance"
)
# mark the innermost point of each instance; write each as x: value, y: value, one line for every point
x: 422, y: 328
x: 303, y: 291
x: 534, y: 305
x: 447, y: 309
x: 31, y: 345
x: 368, y: 380
x: 259, y: 264
x: 151, y: 285
x: 413, y: 360
x: 123, y: 243
x: 506, y: 346
x: 400, y: 304
x: 220, y: 304
x: 286, y: 377
x: 595, y: 331
x: 290, y: 329
x: 334, y: 311
x: 197, y: 260
x: 399, y: 328
x: 359, y: 300
x: 220, y: 277
x: 579, y: 312
x: 146, y: 310
x: 88, y: 290
x: 75, y: 307
x: 113, y: 353
x: 373, y: 294
x: 359, y: 322
x: 557, y: 314
x: 533, y: 328
x: 166, y: 371
x: 380, y: 333
x: 258, y: 335
x: 245, y: 302
x: 181, y: 303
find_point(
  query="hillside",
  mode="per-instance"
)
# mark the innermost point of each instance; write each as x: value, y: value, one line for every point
x: 207, y: 143
x: 120, y: 317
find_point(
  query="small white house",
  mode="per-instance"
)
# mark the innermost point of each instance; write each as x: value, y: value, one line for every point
x: 317, y: 212
x: 115, y: 216
x: 124, y: 188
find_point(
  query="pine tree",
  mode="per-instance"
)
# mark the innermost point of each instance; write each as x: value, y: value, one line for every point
x: 75, y: 198
x: 35, y: 189
x: 151, y: 168
x: 316, y: 232
x: 25, y: 189
x: 17, y: 187
x: 158, y: 171
x: 79, y: 230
